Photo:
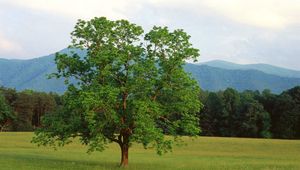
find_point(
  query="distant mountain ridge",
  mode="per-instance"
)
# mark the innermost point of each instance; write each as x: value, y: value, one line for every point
x: 30, y: 74
x: 266, y: 68
x: 213, y: 76
x: 214, y: 79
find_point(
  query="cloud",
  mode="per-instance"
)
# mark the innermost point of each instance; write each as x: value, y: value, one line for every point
x: 272, y: 14
x: 86, y: 9
x: 241, y: 31
x: 8, y: 46
x: 261, y: 13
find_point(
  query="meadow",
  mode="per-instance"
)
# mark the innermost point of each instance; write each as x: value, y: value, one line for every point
x: 17, y: 153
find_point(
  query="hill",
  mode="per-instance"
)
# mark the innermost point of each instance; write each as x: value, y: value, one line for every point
x: 213, y: 79
x: 266, y: 68
x: 32, y: 74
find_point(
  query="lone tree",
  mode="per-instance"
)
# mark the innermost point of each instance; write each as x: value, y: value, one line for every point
x: 130, y: 87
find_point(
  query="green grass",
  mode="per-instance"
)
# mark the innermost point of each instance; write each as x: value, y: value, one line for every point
x: 17, y: 153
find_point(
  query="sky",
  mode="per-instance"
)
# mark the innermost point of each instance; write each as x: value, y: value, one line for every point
x: 240, y: 31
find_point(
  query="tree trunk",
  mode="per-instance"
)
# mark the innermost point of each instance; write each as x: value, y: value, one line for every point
x: 124, y: 155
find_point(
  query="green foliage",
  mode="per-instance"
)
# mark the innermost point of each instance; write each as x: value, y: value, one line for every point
x: 24, y: 106
x: 28, y: 107
x: 6, y: 114
x: 259, y: 114
x: 212, y: 119
x: 230, y: 113
x: 285, y: 112
x: 253, y: 120
x: 231, y: 101
x: 251, y: 114
x: 127, y: 84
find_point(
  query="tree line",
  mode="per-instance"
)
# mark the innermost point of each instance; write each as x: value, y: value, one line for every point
x: 227, y: 113
x: 23, y: 111
x: 251, y: 114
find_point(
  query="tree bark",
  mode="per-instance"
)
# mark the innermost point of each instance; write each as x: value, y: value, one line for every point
x: 124, y: 155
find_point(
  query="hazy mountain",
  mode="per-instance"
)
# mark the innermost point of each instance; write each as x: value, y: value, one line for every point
x: 266, y: 68
x: 32, y: 74
x: 213, y: 79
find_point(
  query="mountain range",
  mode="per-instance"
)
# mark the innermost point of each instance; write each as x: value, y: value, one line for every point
x: 266, y: 68
x: 214, y: 75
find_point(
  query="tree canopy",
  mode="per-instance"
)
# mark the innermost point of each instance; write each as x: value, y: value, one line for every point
x: 130, y: 87
x: 6, y: 114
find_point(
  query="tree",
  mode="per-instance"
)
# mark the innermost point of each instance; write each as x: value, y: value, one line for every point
x: 211, y: 117
x: 43, y: 103
x: 127, y: 84
x: 23, y: 106
x: 6, y: 114
x: 295, y: 94
x: 9, y: 94
x: 252, y: 120
x: 231, y: 99
x: 285, y: 115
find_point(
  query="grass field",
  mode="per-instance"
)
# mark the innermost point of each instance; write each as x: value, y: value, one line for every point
x: 17, y: 153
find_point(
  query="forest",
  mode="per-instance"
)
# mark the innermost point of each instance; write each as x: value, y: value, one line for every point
x: 227, y: 113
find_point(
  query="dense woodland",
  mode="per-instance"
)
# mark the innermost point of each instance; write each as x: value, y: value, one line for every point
x: 224, y: 113
x: 23, y: 111
x: 251, y: 114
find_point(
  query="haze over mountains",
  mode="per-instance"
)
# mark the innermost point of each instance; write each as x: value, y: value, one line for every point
x: 266, y: 68
x: 212, y: 76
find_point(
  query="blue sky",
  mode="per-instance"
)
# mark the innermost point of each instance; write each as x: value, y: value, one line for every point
x: 241, y: 31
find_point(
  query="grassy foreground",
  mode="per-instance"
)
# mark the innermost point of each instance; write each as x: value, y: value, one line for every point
x: 16, y: 152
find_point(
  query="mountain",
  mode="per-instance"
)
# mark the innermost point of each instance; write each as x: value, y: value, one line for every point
x: 266, y: 68
x: 213, y: 79
x: 32, y: 74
